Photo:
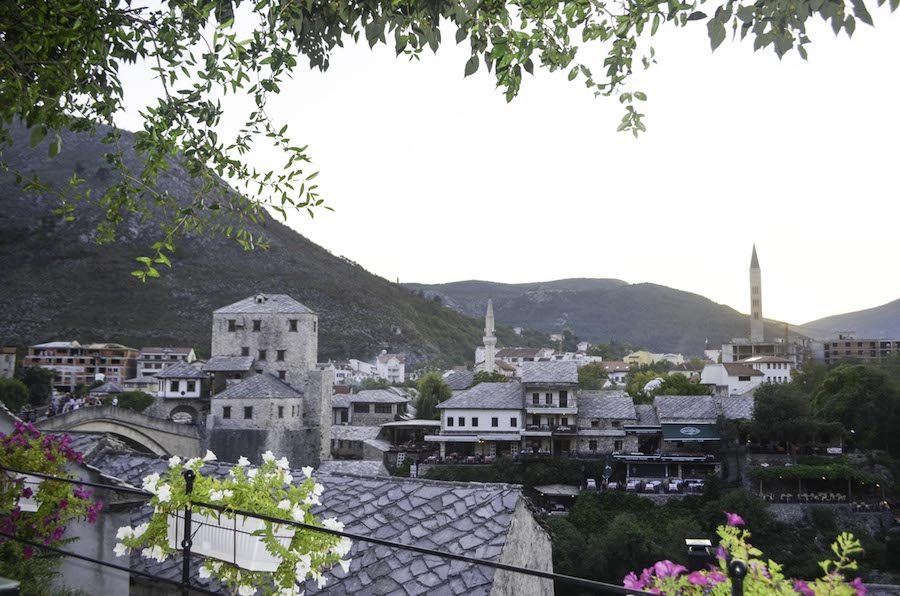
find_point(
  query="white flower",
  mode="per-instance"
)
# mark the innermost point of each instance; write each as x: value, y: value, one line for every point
x: 215, y: 566
x: 156, y: 552
x: 283, y: 463
x: 228, y: 493
x: 318, y: 489
x: 245, y: 590
x: 288, y: 478
x: 121, y: 550
x: 332, y: 524
x: 321, y: 580
x: 307, y: 471
x: 268, y: 456
x: 345, y: 564
x: 204, y: 572
x: 297, y: 513
x: 150, y: 482
x: 252, y: 473
x: 124, y: 532
x: 311, y: 500
x: 215, y: 495
x: 174, y: 461
x: 192, y: 463
x: 292, y: 591
x: 210, y: 456
x: 343, y: 547
x: 164, y: 493
x: 243, y: 462
x: 139, y: 531
x: 303, y: 567
x: 284, y: 504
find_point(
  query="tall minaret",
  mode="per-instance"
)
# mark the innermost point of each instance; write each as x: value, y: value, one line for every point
x: 756, y: 320
x: 490, y: 342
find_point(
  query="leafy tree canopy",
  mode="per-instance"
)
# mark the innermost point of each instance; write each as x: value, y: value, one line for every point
x: 373, y: 383
x: 13, y: 394
x: 678, y: 384
x: 39, y: 382
x: 483, y: 376
x: 591, y: 376
x: 61, y: 64
x: 132, y: 400
x: 433, y: 389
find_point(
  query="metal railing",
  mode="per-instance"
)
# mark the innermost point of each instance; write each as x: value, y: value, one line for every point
x: 186, y: 586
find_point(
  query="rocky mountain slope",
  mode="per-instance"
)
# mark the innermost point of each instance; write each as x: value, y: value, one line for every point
x: 56, y: 283
x: 881, y: 322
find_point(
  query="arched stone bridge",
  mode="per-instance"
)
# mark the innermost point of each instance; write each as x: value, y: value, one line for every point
x: 157, y: 435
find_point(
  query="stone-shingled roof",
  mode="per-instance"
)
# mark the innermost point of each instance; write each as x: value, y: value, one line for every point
x: 108, y: 387
x: 459, y: 379
x: 519, y: 352
x: 488, y: 396
x: 646, y: 415
x: 228, y: 364
x: 261, y: 386
x: 378, y: 396
x: 685, y: 408
x: 271, y: 303
x: 346, y: 432
x: 463, y: 518
x: 610, y: 405
x: 556, y: 371
x: 181, y: 370
x: 736, y: 369
x: 736, y: 408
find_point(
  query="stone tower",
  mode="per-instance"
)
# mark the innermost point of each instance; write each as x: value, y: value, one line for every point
x: 490, y: 341
x: 757, y: 333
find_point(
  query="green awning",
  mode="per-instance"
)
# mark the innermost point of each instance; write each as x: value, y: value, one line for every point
x: 690, y: 432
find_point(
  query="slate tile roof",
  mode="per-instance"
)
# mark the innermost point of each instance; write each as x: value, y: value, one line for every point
x: 262, y: 386
x: 556, y: 371
x: 158, y: 350
x: 181, y: 370
x: 519, y: 352
x: 685, y: 408
x: 357, y: 467
x: 228, y: 363
x: 488, y: 396
x: 736, y: 408
x: 354, y: 433
x: 646, y: 415
x: 378, y: 396
x: 472, y: 519
x: 108, y: 387
x: 612, y: 405
x: 736, y: 369
x: 459, y: 379
x: 271, y: 304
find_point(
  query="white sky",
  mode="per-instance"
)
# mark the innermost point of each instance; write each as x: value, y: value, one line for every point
x: 435, y: 178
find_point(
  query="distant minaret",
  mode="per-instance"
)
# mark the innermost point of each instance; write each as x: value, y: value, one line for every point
x: 490, y: 342
x: 756, y: 320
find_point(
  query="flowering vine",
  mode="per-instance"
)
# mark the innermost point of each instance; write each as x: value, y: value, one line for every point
x: 58, y: 503
x: 267, y: 490
x: 763, y: 576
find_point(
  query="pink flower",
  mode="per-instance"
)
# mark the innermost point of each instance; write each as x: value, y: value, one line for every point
x: 633, y: 582
x: 27, y: 492
x: 716, y: 577
x: 721, y: 553
x: 857, y: 584
x: 27, y: 551
x: 803, y: 588
x: 734, y: 519
x: 698, y: 579
x: 668, y: 569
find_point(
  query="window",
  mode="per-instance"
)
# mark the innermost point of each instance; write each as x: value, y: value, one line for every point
x: 383, y: 408
x: 192, y: 386
x: 281, y: 411
x: 279, y: 355
x: 743, y: 378
x: 592, y: 445
x: 282, y: 374
x: 232, y: 325
x: 514, y: 422
x: 460, y: 421
x: 563, y: 399
x: 536, y: 420
x: 248, y: 412
x: 360, y: 408
x: 315, y: 326
x: 245, y: 350
x: 292, y: 324
x: 595, y: 424
x: 564, y: 421
x: 548, y: 398
x: 617, y: 424
x: 257, y: 324
x: 474, y: 421
x: 536, y: 398
x: 449, y: 420
x: 617, y: 445
x: 262, y: 355
x: 226, y: 412
x: 495, y: 422
x: 173, y: 385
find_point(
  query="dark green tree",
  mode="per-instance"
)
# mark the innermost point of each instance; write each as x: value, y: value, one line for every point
x: 432, y: 391
x: 131, y: 400
x: 373, y: 383
x: 39, y: 382
x: 678, y: 384
x: 13, y: 394
x: 483, y: 376
x: 591, y: 376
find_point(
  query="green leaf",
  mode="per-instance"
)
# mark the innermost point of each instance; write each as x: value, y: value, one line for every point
x: 697, y: 15
x: 37, y: 135
x: 460, y: 35
x: 716, y: 30
x: 640, y: 95
x: 471, y: 66
x: 573, y: 73
x: 55, y: 146
x: 656, y: 22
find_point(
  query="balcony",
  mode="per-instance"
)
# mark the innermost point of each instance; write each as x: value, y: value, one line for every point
x: 548, y: 430
x: 533, y: 408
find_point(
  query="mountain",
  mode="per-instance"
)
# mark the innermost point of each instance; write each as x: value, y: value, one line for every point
x: 600, y: 310
x: 56, y: 283
x: 880, y: 322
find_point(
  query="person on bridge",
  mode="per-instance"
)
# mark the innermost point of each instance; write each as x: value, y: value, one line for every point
x: 115, y: 401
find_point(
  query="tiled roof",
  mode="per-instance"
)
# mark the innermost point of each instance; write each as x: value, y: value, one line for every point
x: 181, y: 370
x: 736, y: 408
x: 157, y: 350
x: 270, y: 303
x: 459, y: 379
x: 346, y: 432
x: 685, y: 408
x: 378, y: 396
x: 340, y: 400
x: 357, y: 467
x: 58, y: 344
x: 472, y: 519
x: 615, y: 366
x: 565, y: 371
x: 519, y: 352
x: 262, y: 386
x: 488, y: 396
x: 141, y: 380
x: 228, y: 363
x: 736, y: 369
x: 646, y: 415
x: 108, y: 387
x: 614, y: 405
x: 764, y: 359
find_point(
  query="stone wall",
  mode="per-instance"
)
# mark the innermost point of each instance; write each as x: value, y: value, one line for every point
x: 527, y: 545
x: 372, y: 418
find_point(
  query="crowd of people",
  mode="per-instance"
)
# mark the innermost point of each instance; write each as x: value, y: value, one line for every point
x: 69, y: 403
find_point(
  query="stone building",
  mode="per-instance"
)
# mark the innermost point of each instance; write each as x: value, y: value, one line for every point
x: 391, y: 367
x: 7, y: 362
x: 182, y: 393
x: 551, y: 405
x: 151, y: 361
x: 602, y: 418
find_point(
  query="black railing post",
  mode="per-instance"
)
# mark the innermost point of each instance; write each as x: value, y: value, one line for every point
x: 186, y: 541
x: 737, y: 569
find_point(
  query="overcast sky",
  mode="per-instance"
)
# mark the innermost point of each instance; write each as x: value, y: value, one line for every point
x: 435, y: 178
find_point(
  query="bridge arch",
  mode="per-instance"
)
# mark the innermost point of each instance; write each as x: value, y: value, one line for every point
x: 189, y: 410
x: 157, y: 435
